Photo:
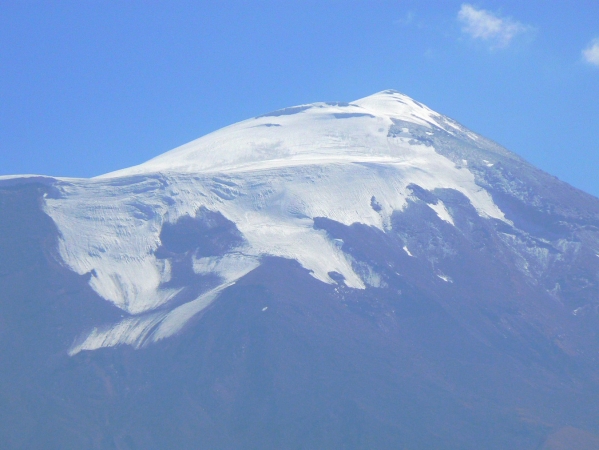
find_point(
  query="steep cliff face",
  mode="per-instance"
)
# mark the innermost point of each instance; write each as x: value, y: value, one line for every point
x: 334, y: 275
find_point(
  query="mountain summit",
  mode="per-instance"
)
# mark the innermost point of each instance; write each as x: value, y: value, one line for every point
x: 368, y: 274
x: 317, y: 133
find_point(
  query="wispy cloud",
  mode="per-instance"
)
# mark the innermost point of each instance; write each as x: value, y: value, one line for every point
x: 591, y: 53
x: 486, y: 26
x: 407, y: 19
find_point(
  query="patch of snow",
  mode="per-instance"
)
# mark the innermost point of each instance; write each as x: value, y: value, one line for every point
x: 442, y: 212
x: 229, y: 268
x: 445, y: 278
x: 176, y: 319
x: 107, y: 231
x: 141, y: 330
x: 132, y: 331
x: 369, y: 275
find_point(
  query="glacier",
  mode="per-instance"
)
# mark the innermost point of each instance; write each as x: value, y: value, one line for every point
x: 270, y: 176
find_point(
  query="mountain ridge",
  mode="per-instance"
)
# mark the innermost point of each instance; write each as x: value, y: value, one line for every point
x: 255, y: 140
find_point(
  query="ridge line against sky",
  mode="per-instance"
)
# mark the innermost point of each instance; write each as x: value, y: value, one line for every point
x: 96, y: 87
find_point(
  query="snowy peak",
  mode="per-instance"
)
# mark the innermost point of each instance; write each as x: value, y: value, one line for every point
x: 306, y: 134
x: 395, y: 105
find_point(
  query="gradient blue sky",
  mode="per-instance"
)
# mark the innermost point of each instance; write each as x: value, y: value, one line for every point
x: 90, y: 87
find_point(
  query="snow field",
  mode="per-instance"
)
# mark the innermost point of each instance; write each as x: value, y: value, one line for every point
x: 327, y: 160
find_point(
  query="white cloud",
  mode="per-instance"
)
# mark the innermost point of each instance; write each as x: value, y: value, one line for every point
x: 407, y: 19
x: 591, y: 53
x: 484, y: 25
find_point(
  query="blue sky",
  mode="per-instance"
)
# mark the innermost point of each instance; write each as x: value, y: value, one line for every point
x: 91, y: 87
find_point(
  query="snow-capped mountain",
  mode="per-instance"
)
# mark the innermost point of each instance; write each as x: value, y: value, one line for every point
x: 419, y: 255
